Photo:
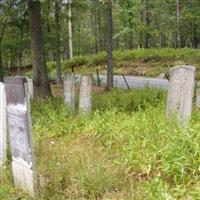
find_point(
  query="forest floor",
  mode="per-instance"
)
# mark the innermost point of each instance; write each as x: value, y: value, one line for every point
x: 125, y: 149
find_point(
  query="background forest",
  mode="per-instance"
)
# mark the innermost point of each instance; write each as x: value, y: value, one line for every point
x: 136, y: 24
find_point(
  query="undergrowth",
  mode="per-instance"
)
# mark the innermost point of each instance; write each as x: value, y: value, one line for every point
x: 125, y: 149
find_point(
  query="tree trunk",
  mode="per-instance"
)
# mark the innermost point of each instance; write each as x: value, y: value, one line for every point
x: 1, y: 39
x: 109, y: 45
x: 58, y: 59
x: 70, y: 30
x: 194, y: 37
x: 146, y: 22
x: 21, y: 27
x: 40, y: 76
x: 94, y: 25
x: 178, y: 37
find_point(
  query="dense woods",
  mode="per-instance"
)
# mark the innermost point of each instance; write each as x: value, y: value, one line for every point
x: 136, y: 24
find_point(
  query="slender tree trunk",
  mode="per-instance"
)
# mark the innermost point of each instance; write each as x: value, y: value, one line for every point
x: 21, y: 47
x: 40, y: 76
x: 1, y: 39
x: 94, y: 25
x: 58, y: 58
x: 178, y: 36
x: 70, y: 30
x: 109, y: 45
x: 194, y: 38
x: 146, y: 22
x: 101, y: 35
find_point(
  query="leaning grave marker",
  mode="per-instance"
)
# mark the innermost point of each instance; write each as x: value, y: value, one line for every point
x: 180, y: 93
x: 19, y: 125
x: 3, y: 125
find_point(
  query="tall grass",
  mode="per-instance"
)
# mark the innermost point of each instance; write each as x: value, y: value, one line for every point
x: 126, y: 149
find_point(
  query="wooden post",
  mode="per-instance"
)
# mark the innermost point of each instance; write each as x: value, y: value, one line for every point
x: 19, y: 125
x: 180, y: 94
x: 85, y: 104
x: 69, y: 90
x: 3, y: 126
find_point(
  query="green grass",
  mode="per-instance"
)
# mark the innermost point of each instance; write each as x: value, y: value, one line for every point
x: 126, y: 149
x: 148, y: 62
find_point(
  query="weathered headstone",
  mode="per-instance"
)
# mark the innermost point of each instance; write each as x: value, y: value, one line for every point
x: 30, y: 87
x: 3, y: 126
x: 198, y: 95
x: 69, y: 90
x: 180, y: 93
x: 85, y: 103
x: 20, y: 135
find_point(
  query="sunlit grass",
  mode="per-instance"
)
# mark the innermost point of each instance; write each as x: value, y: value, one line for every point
x: 126, y: 149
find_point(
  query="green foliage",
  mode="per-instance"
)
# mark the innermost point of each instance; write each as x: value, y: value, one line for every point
x: 188, y: 56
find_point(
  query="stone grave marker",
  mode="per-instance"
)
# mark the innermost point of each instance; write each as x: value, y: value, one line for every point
x: 69, y: 90
x: 3, y: 125
x: 30, y: 87
x: 180, y: 93
x: 85, y: 104
x: 20, y: 135
x: 198, y: 95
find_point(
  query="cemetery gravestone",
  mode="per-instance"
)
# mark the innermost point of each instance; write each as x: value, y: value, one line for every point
x: 180, y: 93
x: 30, y: 87
x: 85, y: 103
x: 69, y: 90
x: 198, y: 95
x: 3, y: 126
x: 19, y: 125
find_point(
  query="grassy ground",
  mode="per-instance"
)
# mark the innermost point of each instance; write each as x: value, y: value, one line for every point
x: 146, y: 62
x: 126, y: 149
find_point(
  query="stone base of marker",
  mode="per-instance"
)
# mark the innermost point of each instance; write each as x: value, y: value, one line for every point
x: 180, y: 93
x: 85, y: 104
x: 3, y: 126
x: 69, y: 90
x: 20, y: 135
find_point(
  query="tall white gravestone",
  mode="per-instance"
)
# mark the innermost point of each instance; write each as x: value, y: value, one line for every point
x: 85, y: 104
x: 3, y: 125
x: 20, y: 135
x: 180, y: 93
x: 69, y: 90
